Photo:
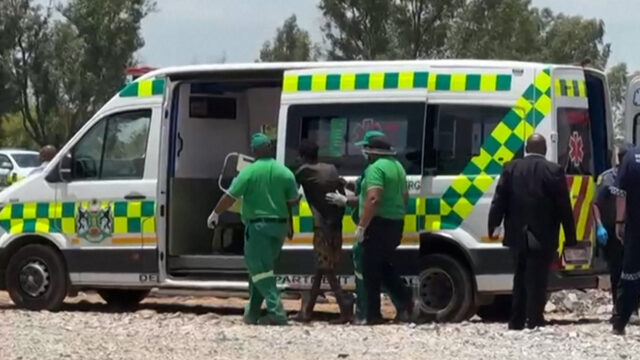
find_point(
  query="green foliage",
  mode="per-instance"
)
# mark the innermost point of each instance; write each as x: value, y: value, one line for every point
x: 618, y: 77
x: 421, y: 27
x: 12, y: 133
x: 66, y: 62
x: 358, y: 29
x: 496, y: 29
x: 572, y: 39
x: 290, y: 44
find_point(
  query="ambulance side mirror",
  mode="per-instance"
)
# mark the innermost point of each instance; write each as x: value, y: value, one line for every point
x: 64, y: 170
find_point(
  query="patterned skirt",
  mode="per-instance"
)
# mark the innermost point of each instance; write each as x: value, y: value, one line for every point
x: 327, y: 245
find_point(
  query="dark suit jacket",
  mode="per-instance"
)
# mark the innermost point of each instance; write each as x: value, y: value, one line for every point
x: 532, y: 194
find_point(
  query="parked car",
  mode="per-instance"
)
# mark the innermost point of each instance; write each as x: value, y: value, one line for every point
x: 16, y: 164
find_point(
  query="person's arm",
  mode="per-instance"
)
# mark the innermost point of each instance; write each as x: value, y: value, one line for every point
x: 371, y: 202
x: 500, y: 201
x: 293, y: 198
x: 237, y: 189
x: 620, y: 191
x: 560, y: 192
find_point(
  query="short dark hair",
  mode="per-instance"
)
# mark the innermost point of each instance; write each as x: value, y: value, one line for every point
x: 308, y: 149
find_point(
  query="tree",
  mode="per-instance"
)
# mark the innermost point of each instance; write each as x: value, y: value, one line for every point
x: 30, y: 67
x: 103, y: 37
x: 65, y: 69
x: 290, y: 44
x: 572, y: 39
x: 618, y: 76
x: 422, y: 26
x: 358, y: 29
x: 495, y: 29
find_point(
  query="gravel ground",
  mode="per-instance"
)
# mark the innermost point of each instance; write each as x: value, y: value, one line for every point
x: 211, y: 328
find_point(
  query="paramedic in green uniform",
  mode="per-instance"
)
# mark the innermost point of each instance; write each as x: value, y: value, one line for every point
x: 268, y: 190
x: 379, y: 155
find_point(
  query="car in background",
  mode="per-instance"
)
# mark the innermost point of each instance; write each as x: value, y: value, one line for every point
x: 16, y: 164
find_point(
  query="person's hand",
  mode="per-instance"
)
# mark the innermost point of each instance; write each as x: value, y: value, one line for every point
x: 336, y: 198
x: 360, y: 234
x: 620, y: 231
x: 601, y: 235
x: 212, y: 221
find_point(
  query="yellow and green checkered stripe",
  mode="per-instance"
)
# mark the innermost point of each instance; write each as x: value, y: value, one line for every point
x: 143, y: 88
x: 129, y: 217
x: 499, y: 147
x: 570, y: 88
x: 396, y: 81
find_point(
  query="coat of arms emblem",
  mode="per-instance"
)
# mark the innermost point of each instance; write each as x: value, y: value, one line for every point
x: 95, y: 223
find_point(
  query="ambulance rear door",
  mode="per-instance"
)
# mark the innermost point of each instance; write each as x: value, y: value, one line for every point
x: 632, y: 111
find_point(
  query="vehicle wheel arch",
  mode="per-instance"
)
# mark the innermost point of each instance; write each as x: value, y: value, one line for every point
x: 17, y: 243
x: 440, y: 243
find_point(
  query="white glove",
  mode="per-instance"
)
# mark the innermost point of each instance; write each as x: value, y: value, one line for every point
x: 360, y: 234
x: 212, y: 221
x: 336, y: 198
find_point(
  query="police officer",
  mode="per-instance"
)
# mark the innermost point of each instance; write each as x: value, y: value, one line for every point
x: 267, y: 189
x: 605, y: 215
x: 628, y: 230
x: 397, y: 296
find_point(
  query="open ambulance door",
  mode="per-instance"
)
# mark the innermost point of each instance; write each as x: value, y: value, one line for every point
x: 632, y: 111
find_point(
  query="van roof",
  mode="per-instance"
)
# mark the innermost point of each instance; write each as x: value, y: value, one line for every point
x: 282, y: 66
x: 17, y: 151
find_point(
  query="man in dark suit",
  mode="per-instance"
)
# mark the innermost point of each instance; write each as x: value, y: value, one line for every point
x: 532, y: 198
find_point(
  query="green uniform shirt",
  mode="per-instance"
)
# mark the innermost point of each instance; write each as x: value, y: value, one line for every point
x: 265, y: 188
x: 386, y: 173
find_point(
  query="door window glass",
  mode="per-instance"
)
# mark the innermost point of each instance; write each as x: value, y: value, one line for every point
x: 114, y: 148
x: 337, y: 127
x: 574, y: 141
x: 125, y: 146
x: 459, y: 132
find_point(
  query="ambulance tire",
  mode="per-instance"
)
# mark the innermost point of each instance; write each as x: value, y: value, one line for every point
x: 37, y: 278
x: 121, y: 299
x: 445, y: 289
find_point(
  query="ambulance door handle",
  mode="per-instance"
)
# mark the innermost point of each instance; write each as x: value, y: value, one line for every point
x: 181, y: 145
x: 134, y: 196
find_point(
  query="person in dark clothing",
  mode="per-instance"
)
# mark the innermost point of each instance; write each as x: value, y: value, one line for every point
x: 317, y: 179
x: 628, y: 231
x: 605, y: 215
x: 532, y: 198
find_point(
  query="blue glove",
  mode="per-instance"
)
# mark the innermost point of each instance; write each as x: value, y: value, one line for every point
x: 601, y: 235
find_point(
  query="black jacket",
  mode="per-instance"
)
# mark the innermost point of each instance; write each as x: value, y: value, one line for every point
x: 532, y: 194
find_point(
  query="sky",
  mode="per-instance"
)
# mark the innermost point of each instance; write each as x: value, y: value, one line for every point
x: 205, y: 31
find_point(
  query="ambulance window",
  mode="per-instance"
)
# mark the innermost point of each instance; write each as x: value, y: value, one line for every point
x: 574, y: 141
x: 337, y: 127
x: 114, y: 148
x: 458, y: 134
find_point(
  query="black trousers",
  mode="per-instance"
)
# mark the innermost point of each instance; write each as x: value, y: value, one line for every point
x: 530, y: 288
x: 613, y: 253
x: 628, y: 295
x: 381, y: 239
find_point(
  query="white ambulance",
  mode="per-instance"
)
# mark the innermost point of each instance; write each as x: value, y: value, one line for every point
x: 632, y: 111
x: 123, y: 207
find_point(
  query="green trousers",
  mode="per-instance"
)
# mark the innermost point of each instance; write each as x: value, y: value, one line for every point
x: 262, y: 245
x: 361, y: 292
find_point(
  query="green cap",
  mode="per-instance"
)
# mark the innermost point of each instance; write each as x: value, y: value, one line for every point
x: 370, y: 135
x: 259, y: 140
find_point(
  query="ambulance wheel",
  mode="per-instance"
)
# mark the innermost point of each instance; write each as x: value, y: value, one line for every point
x: 445, y: 289
x: 37, y: 278
x: 123, y: 299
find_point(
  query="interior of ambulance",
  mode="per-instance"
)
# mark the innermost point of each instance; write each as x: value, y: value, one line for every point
x: 213, y: 115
